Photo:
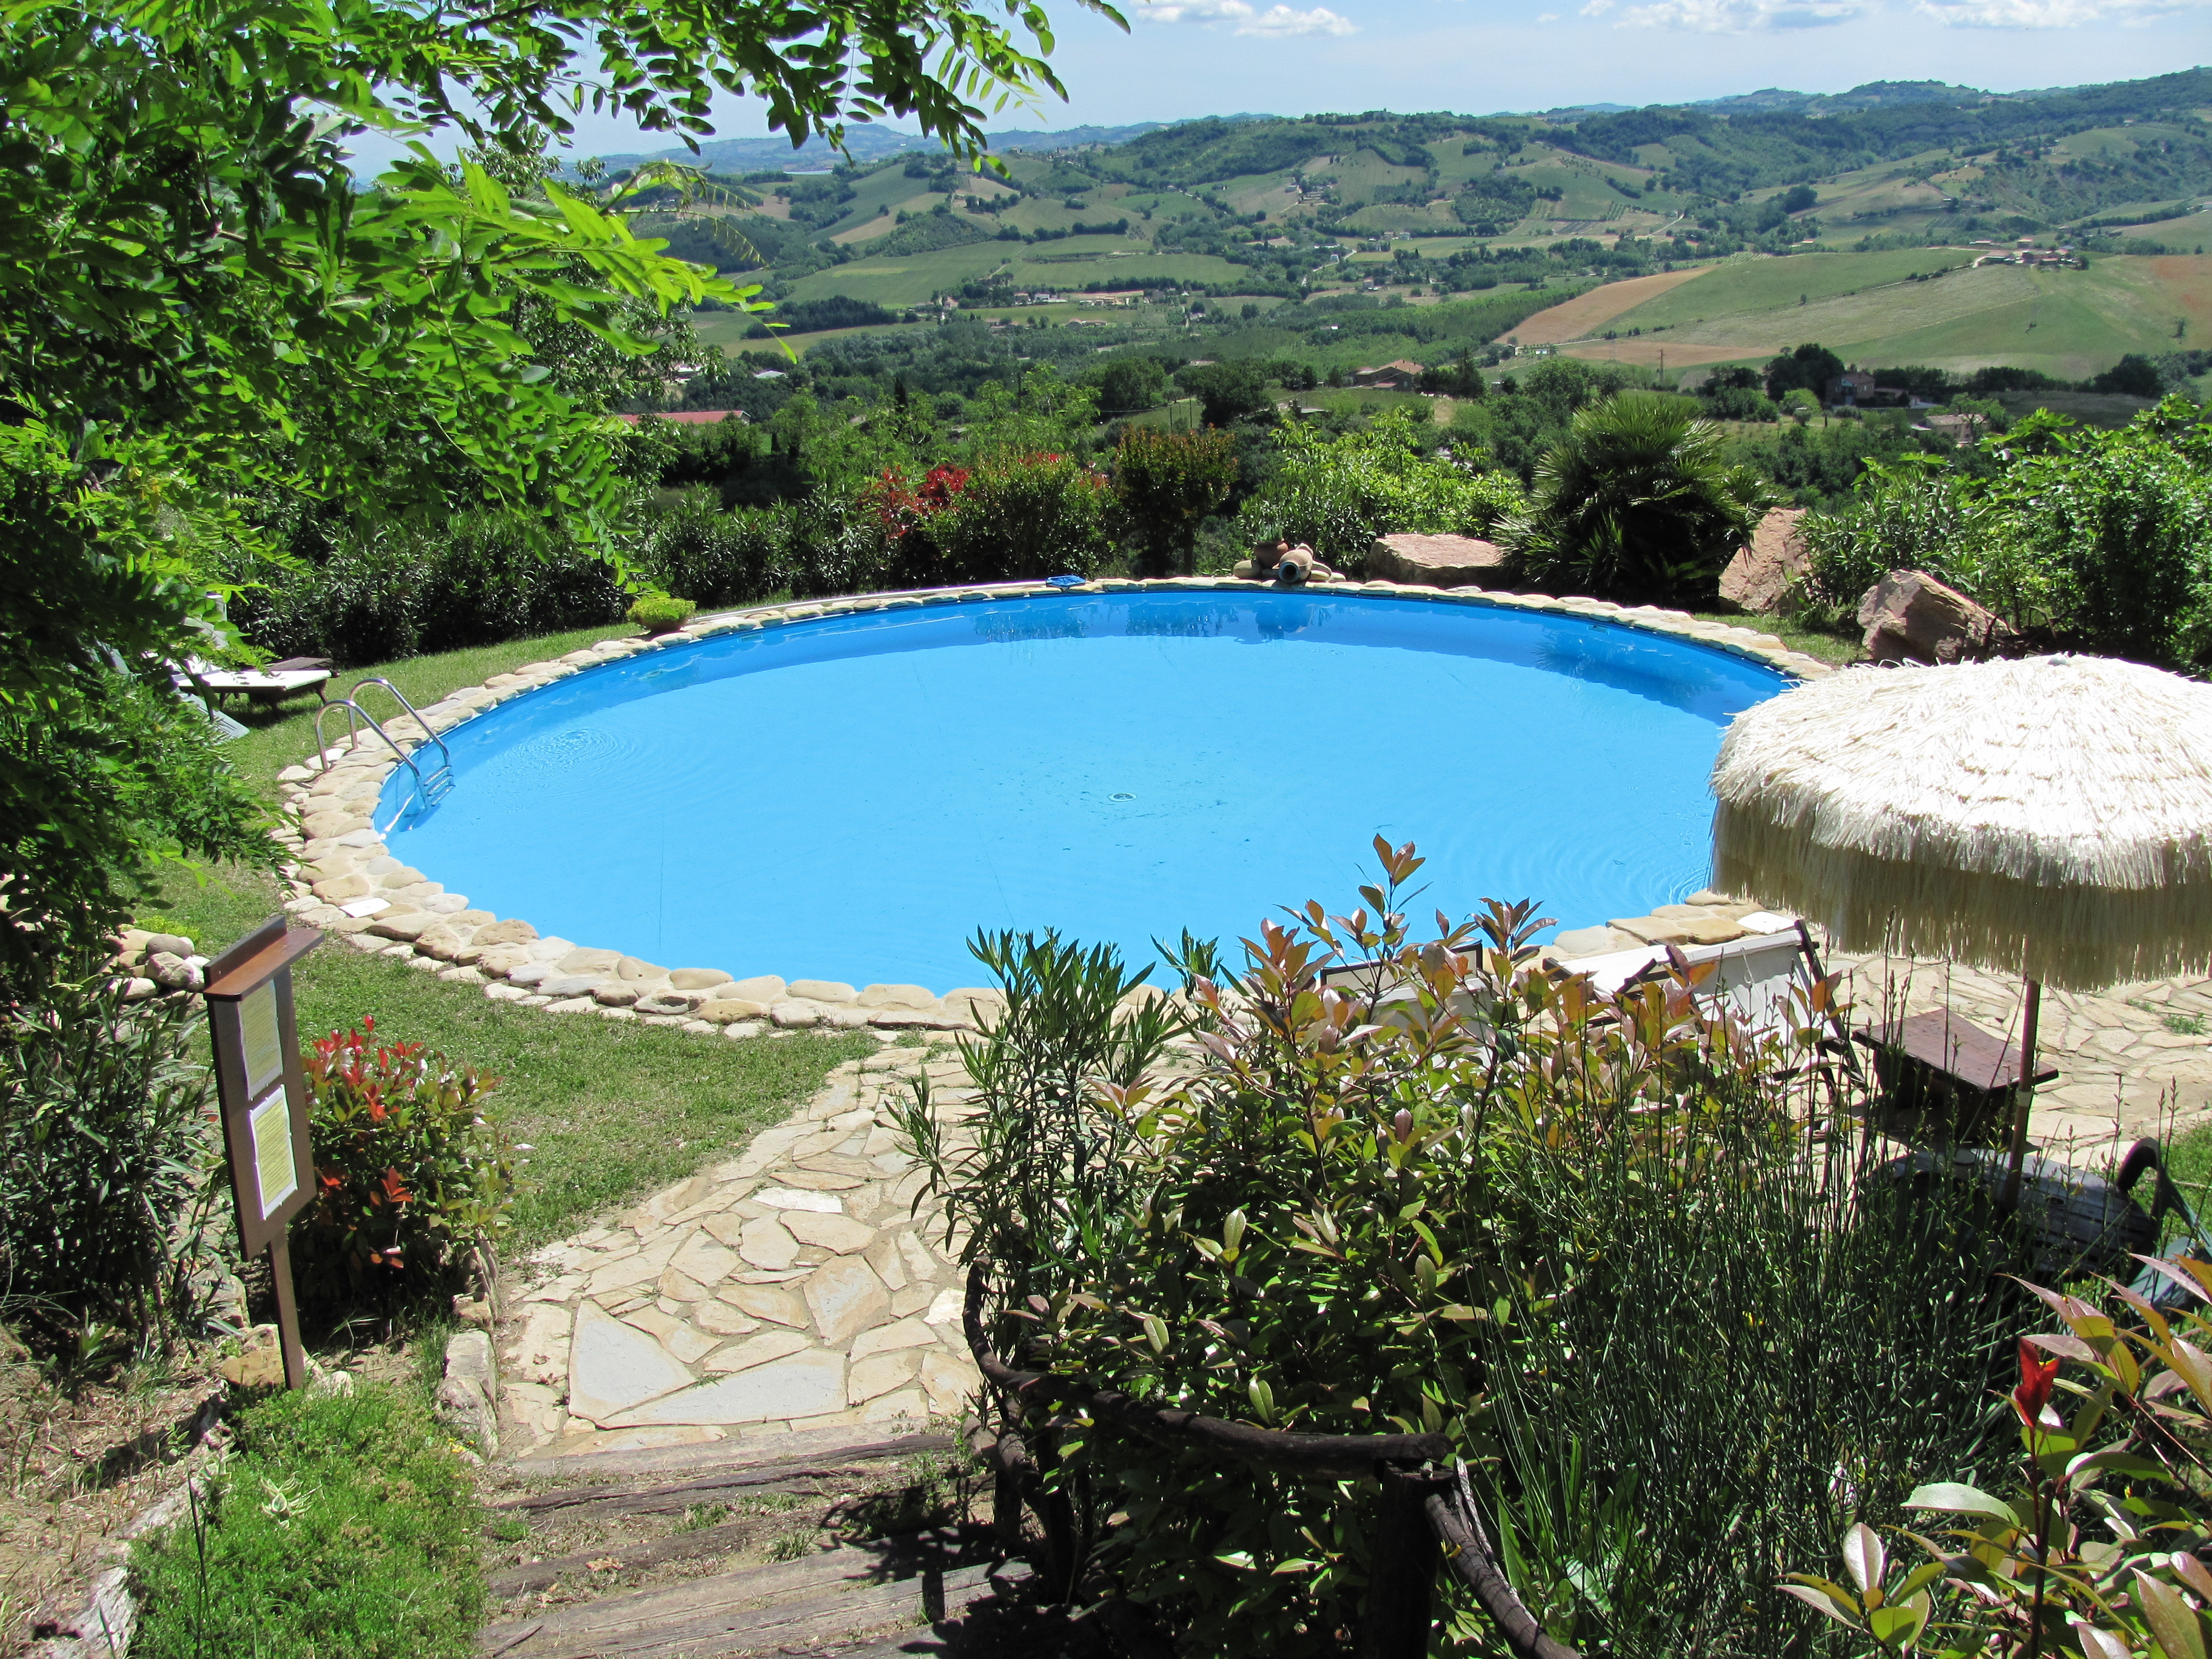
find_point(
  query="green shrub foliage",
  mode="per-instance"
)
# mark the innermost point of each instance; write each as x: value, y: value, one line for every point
x: 410, y: 1178
x: 1607, y: 1245
x: 2097, y: 541
x: 338, y: 1527
x: 659, y: 610
x: 112, y: 1205
x: 1337, y: 494
x: 1636, y: 503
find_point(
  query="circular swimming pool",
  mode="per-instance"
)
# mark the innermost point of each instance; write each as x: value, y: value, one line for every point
x: 850, y: 799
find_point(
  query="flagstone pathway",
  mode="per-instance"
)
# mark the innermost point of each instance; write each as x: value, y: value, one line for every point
x: 798, y: 1286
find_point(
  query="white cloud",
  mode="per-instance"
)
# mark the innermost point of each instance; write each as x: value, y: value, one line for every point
x: 1747, y: 16
x: 2048, y: 14
x: 1275, y: 22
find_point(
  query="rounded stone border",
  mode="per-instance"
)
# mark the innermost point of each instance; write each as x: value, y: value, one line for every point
x: 344, y: 879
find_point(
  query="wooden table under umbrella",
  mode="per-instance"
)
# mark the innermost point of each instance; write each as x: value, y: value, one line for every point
x: 2050, y: 816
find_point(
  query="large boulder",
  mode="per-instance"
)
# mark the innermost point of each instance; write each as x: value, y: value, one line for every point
x: 1910, y: 616
x: 1759, y: 577
x: 1438, y: 561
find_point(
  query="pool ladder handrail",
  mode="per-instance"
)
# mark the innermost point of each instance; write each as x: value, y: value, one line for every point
x: 428, y: 791
x: 431, y: 735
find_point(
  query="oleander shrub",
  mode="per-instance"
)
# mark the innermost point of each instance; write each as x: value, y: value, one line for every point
x: 716, y: 556
x: 113, y: 1206
x: 411, y: 1179
x: 338, y: 1526
x: 1614, y: 1248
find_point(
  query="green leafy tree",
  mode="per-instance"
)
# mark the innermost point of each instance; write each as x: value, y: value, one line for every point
x: 1812, y: 366
x: 1637, y: 504
x: 196, y: 281
x: 1167, y: 482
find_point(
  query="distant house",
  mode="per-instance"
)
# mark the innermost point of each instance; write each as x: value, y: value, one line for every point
x: 1852, y: 386
x: 691, y: 416
x: 1400, y: 376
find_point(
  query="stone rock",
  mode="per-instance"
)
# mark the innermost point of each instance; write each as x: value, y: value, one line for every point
x: 883, y: 1339
x: 795, y: 1198
x: 897, y: 996
x: 566, y: 986
x: 137, y: 989
x: 796, y: 1016
x: 550, y: 951
x: 170, y: 971
x: 769, y: 1302
x: 763, y: 988
x: 1583, y: 942
x: 613, y: 994
x: 1909, y: 616
x: 501, y: 960
x: 465, y: 1394
x: 723, y: 1010
x: 1441, y: 561
x: 824, y: 990
x: 702, y: 1259
x: 948, y: 1381
x: 839, y: 1235
x: 846, y: 1297
x: 1757, y: 577
x: 664, y: 1002
x: 584, y: 960
x: 764, y: 1349
x: 766, y: 1244
x: 174, y: 945
x: 697, y: 979
x: 879, y: 1374
x: 632, y: 967
x: 805, y: 1385
x: 530, y: 973
x: 679, y: 1287
x: 337, y: 890
x: 510, y: 932
x: 441, y: 942
x: 406, y: 926
x: 614, y: 1367
x: 720, y: 1319
x: 1653, y: 930
x: 1710, y: 929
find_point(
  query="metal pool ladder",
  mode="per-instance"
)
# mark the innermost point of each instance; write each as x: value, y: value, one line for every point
x: 430, y: 788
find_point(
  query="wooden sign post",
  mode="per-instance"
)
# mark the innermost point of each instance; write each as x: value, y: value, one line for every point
x: 265, y: 1104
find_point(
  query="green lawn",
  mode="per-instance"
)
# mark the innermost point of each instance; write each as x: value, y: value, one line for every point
x: 613, y: 1108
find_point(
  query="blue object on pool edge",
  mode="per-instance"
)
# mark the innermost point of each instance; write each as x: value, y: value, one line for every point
x: 1063, y: 581
x: 850, y: 799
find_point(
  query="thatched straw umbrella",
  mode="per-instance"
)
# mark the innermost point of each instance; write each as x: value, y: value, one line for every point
x: 2051, y: 817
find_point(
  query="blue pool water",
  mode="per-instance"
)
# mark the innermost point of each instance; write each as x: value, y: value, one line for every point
x: 851, y: 798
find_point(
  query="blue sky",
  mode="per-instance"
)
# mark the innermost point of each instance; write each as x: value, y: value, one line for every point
x: 1188, y: 57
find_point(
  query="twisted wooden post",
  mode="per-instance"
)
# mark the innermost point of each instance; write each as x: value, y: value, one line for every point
x: 1420, y: 1521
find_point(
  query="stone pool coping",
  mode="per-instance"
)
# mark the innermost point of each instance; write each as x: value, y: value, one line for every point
x: 342, y: 865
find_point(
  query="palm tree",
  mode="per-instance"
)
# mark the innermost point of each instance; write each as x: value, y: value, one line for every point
x: 1636, y: 503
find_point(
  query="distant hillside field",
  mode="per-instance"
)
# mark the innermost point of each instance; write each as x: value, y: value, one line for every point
x: 2067, y: 324
x: 1592, y: 310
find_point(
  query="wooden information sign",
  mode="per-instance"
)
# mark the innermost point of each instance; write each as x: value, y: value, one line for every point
x: 265, y: 1104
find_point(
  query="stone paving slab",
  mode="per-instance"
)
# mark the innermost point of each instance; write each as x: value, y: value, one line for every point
x: 793, y: 1288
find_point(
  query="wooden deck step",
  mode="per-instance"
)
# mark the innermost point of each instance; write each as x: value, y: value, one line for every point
x: 853, y: 1445
x: 841, y: 1595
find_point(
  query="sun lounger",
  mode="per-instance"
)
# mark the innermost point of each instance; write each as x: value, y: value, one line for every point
x: 267, y: 685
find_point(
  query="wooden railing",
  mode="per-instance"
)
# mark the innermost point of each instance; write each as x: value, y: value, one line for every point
x: 1424, y: 1517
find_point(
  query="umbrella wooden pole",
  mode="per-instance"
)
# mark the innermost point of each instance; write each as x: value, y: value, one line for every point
x: 2025, y: 1089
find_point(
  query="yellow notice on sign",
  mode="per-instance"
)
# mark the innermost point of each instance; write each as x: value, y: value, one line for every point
x: 264, y: 1045
x: 275, y: 1170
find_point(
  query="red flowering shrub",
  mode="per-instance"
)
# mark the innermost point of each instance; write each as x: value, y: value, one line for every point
x: 1020, y: 517
x: 410, y: 1178
x: 900, y: 505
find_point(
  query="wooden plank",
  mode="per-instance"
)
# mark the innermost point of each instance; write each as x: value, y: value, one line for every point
x: 654, y: 1625
x: 1948, y: 1042
x: 783, y: 1446
x: 679, y: 1546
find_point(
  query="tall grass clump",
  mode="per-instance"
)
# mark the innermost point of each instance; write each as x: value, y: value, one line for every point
x: 1628, y: 1253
